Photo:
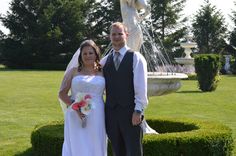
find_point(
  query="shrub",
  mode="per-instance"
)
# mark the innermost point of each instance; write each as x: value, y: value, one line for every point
x: 207, y: 68
x: 47, y: 139
x: 178, y: 137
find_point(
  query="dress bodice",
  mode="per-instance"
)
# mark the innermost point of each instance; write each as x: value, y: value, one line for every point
x: 92, y: 84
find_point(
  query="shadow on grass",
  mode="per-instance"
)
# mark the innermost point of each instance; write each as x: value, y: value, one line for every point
x: 28, y: 152
x: 190, y: 91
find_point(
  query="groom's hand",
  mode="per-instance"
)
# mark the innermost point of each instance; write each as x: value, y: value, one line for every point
x: 136, y: 118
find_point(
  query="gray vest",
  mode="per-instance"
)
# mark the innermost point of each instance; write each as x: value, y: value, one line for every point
x: 119, y: 83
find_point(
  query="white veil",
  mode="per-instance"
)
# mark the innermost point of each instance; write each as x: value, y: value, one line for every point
x: 72, y: 64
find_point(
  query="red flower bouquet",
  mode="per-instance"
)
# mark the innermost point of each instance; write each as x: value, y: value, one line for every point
x: 83, y: 103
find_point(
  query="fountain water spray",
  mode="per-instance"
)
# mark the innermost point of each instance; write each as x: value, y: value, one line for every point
x: 161, y: 78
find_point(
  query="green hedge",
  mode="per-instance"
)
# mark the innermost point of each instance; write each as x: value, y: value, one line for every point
x: 178, y: 137
x: 47, y: 139
x: 207, y: 67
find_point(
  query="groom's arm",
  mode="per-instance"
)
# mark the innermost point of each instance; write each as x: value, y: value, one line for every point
x: 140, y: 82
x: 140, y: 87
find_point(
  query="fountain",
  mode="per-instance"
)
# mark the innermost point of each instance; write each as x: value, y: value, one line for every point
x: 161, y: 78
x: 187, y: 61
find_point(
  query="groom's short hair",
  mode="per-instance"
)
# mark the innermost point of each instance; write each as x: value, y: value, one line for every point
x: 119, y: 25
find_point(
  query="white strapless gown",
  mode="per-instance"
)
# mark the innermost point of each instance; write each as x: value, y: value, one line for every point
x: 90, y: 140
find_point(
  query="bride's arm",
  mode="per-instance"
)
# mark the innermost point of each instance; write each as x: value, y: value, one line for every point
x: 65, y: 87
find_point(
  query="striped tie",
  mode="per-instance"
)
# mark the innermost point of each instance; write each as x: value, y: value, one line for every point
x: 116, y: 60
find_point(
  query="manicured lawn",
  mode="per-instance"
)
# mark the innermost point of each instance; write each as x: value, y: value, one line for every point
x: 28, y: 98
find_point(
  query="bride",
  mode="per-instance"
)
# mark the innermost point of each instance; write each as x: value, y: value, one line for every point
x: 84, y: 131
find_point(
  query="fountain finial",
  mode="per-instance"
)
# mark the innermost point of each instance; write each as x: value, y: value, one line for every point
x: 188, y: 45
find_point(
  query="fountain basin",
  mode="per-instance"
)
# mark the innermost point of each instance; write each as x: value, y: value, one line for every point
x: 161, y: 83
x: 185, y: 61
x: 188, y: 44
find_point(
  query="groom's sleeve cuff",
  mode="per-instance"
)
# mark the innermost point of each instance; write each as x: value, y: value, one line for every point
x: 138, y: 107
x: 138, y: 111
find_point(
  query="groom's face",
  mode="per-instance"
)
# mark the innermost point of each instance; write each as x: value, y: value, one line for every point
x: 118, y: 36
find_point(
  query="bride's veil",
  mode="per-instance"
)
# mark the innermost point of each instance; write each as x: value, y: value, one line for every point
x: 72, y: 64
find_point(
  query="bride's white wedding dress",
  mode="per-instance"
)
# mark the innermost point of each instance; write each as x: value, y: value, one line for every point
x: 90, y: 140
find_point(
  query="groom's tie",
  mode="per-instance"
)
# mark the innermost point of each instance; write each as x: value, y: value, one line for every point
x: 116, y: 59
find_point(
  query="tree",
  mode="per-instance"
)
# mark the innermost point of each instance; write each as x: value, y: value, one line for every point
x: 99, y: 19
x: 168, y: 24
x: 233, y: 34
x: 209, y: 29
x: 43, y: 31
x: 2, y: 36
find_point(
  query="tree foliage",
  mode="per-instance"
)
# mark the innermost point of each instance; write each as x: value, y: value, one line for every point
x: 50, y: 31
x: 101, y: 16
x: 42, y: 31
x: 209, y: 29
x: 2, y: 35
x: 232, y: 39
x: 168, y: 24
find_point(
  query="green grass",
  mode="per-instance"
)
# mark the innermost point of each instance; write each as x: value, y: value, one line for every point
x: 28, y: 98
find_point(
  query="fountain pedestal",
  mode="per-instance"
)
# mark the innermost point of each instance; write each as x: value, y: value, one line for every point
x: 187, y: 61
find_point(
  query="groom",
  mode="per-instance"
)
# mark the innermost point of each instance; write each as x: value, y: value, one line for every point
x: 125, y: 75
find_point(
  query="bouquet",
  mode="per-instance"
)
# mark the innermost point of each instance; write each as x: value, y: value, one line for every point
x: 83, y: 103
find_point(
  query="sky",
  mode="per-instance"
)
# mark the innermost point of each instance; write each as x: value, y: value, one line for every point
x: 191, y: 7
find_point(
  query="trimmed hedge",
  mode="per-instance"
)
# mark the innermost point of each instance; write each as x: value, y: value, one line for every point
x: 207, y: 67
x: 178, y: 137
x: 47, y: 139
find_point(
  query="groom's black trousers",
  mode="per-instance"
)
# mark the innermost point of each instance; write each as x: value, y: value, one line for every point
x: 125, y: 138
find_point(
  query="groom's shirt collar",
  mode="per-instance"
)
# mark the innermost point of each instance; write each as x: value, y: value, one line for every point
x: 122, y: 51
